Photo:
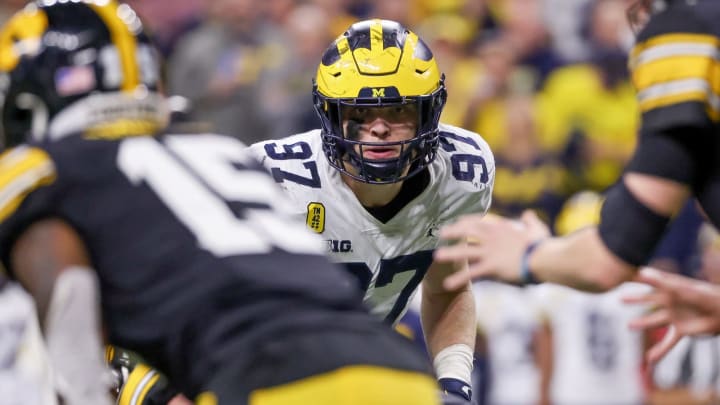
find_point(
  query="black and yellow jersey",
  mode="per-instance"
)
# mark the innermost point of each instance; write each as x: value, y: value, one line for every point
x: 676, y: 72
x: 196, y: 258
x: 675, y: 66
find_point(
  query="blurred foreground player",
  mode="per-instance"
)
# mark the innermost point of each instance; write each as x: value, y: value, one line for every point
x: 674, y: 68
x: 195, y: 265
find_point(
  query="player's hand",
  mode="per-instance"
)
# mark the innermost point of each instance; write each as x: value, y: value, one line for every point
x: 454, y: 391
x: 690, y: 307
x: 494, y: 248
x: 180, y: 400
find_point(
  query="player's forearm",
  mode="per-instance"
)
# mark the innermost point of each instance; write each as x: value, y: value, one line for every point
x: 543, y: 353
x: 51, y: 262
x: 449, y: 326
x: 448, y: 318
x: 580, y: 261
x: 41, y: 254
x: 72, y: 333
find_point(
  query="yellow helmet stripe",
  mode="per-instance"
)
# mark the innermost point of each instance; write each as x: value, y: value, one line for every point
x: 23, y: 30
x: 139, y: 382
x: 343, y: 46
x: 109, y: 353
x: 125, y: 42
x: 22, y: 170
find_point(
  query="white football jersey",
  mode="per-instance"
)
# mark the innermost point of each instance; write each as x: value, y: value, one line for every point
x: 596, y: 357
x: 390, y: 259
x: 508, y: 318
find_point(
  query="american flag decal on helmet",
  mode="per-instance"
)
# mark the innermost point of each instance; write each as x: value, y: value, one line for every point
x: 74, y: 80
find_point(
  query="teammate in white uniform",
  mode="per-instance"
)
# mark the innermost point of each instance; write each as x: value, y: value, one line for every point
x: 597, y: 359
x: 381, y: 176
x: 511, y: 329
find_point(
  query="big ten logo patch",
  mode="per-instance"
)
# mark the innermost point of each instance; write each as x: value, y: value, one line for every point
x: 339, y: 246
x: 316, y: 217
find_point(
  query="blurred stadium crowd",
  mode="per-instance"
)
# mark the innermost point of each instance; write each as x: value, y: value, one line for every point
x: 546, y: 83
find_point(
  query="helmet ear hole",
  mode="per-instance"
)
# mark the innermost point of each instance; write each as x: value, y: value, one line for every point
x: 18, y: 111
x: 16, y: 124
x: 35, y: 112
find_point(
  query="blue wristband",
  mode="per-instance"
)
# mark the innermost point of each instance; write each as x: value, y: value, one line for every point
x: 526, y: 276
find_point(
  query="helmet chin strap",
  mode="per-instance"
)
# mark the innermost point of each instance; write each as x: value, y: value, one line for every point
x: 378, y: 170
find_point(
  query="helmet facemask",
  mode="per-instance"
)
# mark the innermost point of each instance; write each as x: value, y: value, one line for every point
x: 342, y: 147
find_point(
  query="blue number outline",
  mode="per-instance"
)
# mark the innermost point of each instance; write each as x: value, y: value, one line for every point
x: 418, y: 262
x: 290, y: 153
x: 457, y: 158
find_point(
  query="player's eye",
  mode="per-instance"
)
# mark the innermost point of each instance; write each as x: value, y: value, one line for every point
x: 358, y: 113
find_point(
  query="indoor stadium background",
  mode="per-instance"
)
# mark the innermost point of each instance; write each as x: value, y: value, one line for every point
x: 545, y: 82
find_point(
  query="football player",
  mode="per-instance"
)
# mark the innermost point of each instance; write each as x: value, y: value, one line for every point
x: 674, y: 68
x: 182, y: 239
x: 597, y: 359
x: 380, y: 177
x: 515, y: 339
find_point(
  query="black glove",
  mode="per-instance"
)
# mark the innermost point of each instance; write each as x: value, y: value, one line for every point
x: 130, y: 372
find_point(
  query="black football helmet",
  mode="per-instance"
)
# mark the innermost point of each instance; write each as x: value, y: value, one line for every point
x: 77, y: 66
x: 379, y: 63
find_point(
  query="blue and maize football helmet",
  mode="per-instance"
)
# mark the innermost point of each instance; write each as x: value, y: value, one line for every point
x: 77, y: 66
x: 379, y: 63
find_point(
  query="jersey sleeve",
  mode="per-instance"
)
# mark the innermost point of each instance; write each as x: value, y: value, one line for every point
x: 675, y: 70
x: 471, y: 173
x: 257, y: 152
x: 291, y: 161
x: 28, y: 182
